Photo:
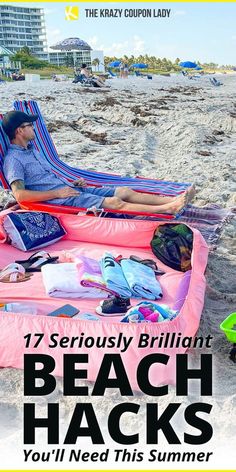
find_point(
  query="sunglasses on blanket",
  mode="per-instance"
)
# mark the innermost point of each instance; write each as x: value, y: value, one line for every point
x: 148, y: 262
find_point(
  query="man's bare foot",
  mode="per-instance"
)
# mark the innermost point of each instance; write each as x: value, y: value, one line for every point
x: 174, y: 206
x: 190, y: 194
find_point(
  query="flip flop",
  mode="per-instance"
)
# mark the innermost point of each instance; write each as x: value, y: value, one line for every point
x: 37, y: 260
x: 148, y: 262
x: 13, y: 273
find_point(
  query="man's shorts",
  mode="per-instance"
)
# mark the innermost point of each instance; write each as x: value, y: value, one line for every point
x: 87, y: 198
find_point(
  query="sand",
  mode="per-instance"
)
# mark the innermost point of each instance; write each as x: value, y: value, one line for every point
x: 171, y: 128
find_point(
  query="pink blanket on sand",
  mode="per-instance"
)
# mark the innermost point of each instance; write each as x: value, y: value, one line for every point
x: 91, y: 237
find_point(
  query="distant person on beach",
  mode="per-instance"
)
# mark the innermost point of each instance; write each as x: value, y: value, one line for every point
x: 87, y: 74
x: 122, y: 67
x: 31, y: 178
x: 126, y: 71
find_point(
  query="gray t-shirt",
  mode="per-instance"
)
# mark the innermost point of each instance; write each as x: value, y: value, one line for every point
x: 34, y: 170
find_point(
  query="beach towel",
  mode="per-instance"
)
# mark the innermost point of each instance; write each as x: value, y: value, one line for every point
x: 90, y: 274
x: 141, y: 280
x: 209, y: 220
x: 62, y: 281
x: 113, y: 276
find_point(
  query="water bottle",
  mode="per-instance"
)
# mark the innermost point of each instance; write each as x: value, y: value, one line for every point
x: 29, y: 309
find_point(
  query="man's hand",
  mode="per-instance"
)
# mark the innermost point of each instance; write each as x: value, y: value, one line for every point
x: 80, y: 183
x: 65, y: 192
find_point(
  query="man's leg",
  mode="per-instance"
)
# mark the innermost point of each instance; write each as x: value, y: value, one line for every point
x: 115, y: 203
x: 87, y: 200
x: 128, y: 195
x: 105, y: 197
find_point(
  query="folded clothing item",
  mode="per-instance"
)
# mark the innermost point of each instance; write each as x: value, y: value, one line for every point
x: 146, y: 312
x: 113, y: 276
x: 141, y: 280
x: 62, y: 281
x: 90, y: 273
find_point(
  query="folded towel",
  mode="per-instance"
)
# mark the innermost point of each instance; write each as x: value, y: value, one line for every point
x: 113, y: 276
x: 90, y: 274
x: 62, y: 281
x: 141, y: 280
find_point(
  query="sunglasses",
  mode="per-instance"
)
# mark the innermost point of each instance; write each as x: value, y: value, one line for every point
x: 27, y: 124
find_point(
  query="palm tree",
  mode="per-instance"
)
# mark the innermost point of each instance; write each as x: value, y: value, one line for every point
x: 152, y: 62
x: 159, y: 63
x: 69, y: 62
x: 26, y: 50
x: 96, y: 62
x: 164, y: 64
x: 146, y: 59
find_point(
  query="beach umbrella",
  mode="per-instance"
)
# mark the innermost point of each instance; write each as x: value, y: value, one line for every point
x: 139, y: 66
x: 188, y: 65
x: 114, y: 64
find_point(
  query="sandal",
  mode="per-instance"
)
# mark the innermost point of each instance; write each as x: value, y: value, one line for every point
x: 13, y: 273
x: 37, y: 260
x: 148, y: 262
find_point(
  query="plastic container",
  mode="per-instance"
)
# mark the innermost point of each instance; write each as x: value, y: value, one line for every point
x: 29, y: 309
x: 227, y: 326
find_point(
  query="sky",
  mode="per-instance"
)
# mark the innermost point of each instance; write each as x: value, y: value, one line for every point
x: 194, y: 31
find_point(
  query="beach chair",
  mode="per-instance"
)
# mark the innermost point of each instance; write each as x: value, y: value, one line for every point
x: 215, y: 82
x: 140, y: 74
x: 44, y: 144
x: 81, y: 79
x: 4, y: 143
x: 111, y: 73
x: 209, y: 220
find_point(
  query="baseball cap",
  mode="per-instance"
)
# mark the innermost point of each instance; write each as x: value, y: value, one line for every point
x: 14, y: 119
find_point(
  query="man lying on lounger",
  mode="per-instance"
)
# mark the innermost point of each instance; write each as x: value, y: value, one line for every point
x: 32, y: 179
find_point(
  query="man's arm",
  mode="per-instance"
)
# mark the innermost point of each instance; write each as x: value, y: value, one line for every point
x: 23, y: 195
